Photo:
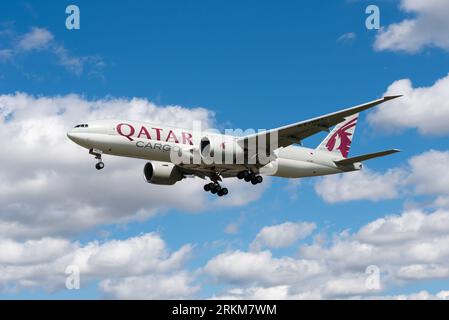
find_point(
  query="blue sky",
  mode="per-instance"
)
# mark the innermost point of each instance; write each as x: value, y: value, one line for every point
x: 251, y: 64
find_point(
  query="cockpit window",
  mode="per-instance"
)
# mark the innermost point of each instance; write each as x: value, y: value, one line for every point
x: 81, y: 126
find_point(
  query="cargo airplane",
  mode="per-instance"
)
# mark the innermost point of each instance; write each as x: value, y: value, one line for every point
x: 175, y: 153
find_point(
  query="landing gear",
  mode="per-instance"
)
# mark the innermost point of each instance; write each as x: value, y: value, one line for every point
x: 256, y: 180
x: 215, y: 188
x: 222, y: 192
x: 249, y: 176
x: 99, y: 165
x: 97, y: 153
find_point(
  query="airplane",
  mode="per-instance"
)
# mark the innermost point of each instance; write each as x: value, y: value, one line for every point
x: 214, y: 156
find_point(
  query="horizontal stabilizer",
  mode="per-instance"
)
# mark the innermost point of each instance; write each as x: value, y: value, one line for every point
x: 364, y: 157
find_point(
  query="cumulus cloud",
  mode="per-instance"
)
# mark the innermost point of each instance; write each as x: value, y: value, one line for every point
x: 143, y: 262
x: 241, y: 267
x: 177, y: 286
x: 360, y: 185
x: 428, y: 28
x: 423, y: 108
x: 403, y: 248
x: 282, y: 235
x: 48, y: 185
x: 429, y: 174
x: 425, y: 174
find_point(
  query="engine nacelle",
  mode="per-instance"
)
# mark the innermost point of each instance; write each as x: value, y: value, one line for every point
x: 221, y: 150
x: 162, y: 173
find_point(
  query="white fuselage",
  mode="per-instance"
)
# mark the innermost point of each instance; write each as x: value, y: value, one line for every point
x: 156, y: 142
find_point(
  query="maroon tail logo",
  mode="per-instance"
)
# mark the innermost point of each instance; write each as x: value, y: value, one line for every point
x: 344, y: 136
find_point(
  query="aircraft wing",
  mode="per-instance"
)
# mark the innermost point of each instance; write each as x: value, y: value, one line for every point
x: 296, y: 132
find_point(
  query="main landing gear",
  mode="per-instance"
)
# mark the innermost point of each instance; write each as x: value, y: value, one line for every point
x: 248, y: 176
x: 97, y: 153
x: 215, y: 188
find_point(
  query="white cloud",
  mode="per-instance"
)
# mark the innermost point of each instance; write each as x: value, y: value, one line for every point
x: 429, y: 172
x: 428, y: 28
x: 423, y: 271
x: 36, y: 39
x: 177, y: 286
x: 139, y: 267
x: 421, y: 295
x: 425, y: 174
x: 41, y: 39
x: 359, y: 185
x: 405, y: 248
x: 256, y: 293
x: 282, y: 235
x: 48, y: 185
x: 423, y: 108
x: 347, y: 285
x: 240, y: 267
x: 400, y: 229
x: 31, y: 251
x: 141, y: 262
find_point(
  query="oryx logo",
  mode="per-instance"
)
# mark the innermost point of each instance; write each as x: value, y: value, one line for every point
x: 343, y: 136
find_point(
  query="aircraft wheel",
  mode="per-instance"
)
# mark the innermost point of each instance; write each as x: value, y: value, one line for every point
x: 224, y: 191
x: 259, y: 179
x: 241, y: 175
x: 250, y: 177
x: 215, y: 188
x: 206, y: 187
x: 99, y: 165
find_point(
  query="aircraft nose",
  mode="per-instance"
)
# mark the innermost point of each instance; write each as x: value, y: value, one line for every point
x: 80, y: 138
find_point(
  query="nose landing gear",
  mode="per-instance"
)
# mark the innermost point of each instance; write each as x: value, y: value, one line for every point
x: 97, y: 153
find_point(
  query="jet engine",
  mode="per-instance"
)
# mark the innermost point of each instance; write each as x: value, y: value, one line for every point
x: 162, y: 173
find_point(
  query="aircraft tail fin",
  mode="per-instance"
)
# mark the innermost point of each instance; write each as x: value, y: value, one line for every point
x: 339, y: 139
